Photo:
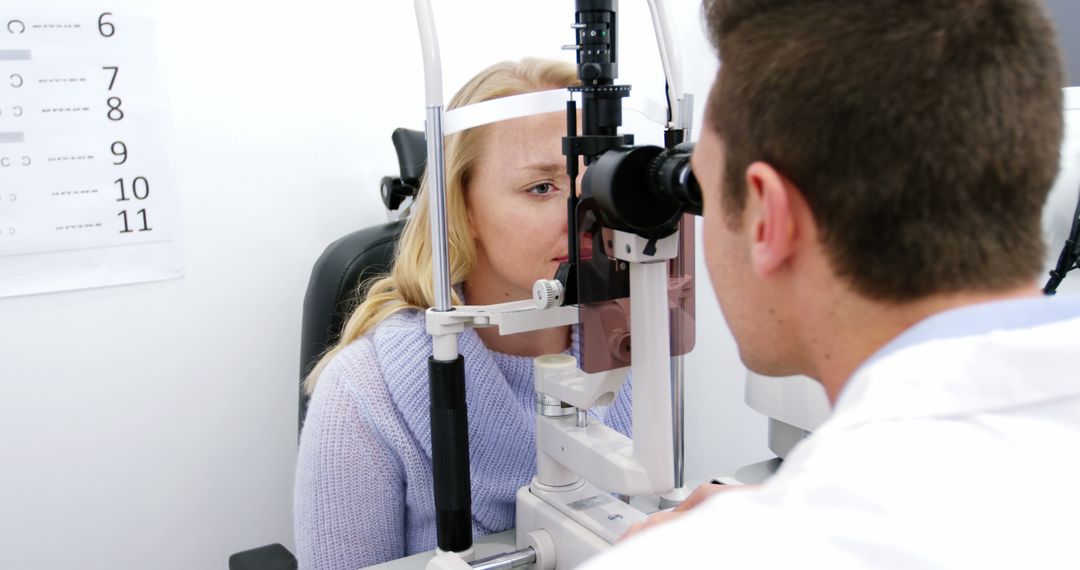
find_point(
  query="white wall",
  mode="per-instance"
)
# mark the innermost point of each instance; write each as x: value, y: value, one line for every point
x: 153, y: 426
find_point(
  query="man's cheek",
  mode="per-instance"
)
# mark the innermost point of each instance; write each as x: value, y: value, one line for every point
x: 711, y: 255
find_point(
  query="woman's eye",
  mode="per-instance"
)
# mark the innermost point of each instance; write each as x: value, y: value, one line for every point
x: 542, y: 189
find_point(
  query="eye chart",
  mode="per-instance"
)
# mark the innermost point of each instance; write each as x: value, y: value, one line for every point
x: 86, y: 197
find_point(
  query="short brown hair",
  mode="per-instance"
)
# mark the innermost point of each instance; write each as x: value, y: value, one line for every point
x: 924, y: 134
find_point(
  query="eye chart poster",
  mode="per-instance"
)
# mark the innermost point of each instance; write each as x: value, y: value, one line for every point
x: 86, y: 196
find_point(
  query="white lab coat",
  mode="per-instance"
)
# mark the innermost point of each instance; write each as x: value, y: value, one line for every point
x: 956, y: 446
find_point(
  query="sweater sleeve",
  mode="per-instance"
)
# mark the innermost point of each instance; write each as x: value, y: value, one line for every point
x: 349, y: 495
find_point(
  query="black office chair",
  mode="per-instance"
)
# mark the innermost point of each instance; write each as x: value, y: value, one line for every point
x: 336, y: 287
x: 346, y: 265
x: 335, y: 290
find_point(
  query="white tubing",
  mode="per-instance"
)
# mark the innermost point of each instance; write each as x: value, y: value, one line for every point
x: 429, y: 45
x: 669, y: 57
x: 433, y: 132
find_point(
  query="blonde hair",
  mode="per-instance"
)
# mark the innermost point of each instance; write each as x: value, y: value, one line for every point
x: 409, y: 284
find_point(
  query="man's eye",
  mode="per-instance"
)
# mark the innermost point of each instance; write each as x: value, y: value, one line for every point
x: 542, y: 189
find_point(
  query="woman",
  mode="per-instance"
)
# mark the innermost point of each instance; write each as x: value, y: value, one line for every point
x: 363, y: 484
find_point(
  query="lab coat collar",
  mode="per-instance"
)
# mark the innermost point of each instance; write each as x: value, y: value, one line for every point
x: 983, y: 318
x: 983, y: 357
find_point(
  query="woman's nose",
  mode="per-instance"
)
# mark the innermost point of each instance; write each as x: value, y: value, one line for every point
x: 580, y: 176
x: 556, y: 218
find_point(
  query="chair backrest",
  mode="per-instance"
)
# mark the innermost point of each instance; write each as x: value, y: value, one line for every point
x: 337, y: 279
x: 335, y: 290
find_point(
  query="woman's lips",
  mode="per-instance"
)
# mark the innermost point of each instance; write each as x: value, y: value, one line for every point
x: 586, y: 249
x: 586, y: 255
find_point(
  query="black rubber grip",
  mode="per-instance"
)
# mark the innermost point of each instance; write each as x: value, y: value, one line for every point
x: 450, y: 454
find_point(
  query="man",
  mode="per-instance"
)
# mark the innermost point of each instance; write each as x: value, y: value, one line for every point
x: 873, y: 174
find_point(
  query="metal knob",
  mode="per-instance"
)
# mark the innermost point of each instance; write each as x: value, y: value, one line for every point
x: 552, y: 407
x: 548, y: 293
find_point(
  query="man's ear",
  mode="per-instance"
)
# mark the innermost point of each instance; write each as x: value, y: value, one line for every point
x: 772, y: 220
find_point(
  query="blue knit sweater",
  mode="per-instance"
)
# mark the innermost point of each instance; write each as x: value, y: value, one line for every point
x: 363, y: 479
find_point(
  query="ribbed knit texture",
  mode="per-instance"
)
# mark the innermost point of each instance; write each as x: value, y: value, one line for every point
x: 364, y: 492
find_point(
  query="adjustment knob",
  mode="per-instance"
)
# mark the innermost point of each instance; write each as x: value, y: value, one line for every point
x: 619, y: 345
x: 590, y: 71
x: 547, y: 293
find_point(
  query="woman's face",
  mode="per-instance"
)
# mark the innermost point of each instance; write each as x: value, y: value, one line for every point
x: 516, y: 199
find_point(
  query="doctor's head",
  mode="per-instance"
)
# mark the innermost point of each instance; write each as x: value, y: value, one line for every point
x: 506, y: 186
x: 872, y: 153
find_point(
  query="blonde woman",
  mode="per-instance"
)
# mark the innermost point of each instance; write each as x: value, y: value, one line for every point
x: 363, y: 481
